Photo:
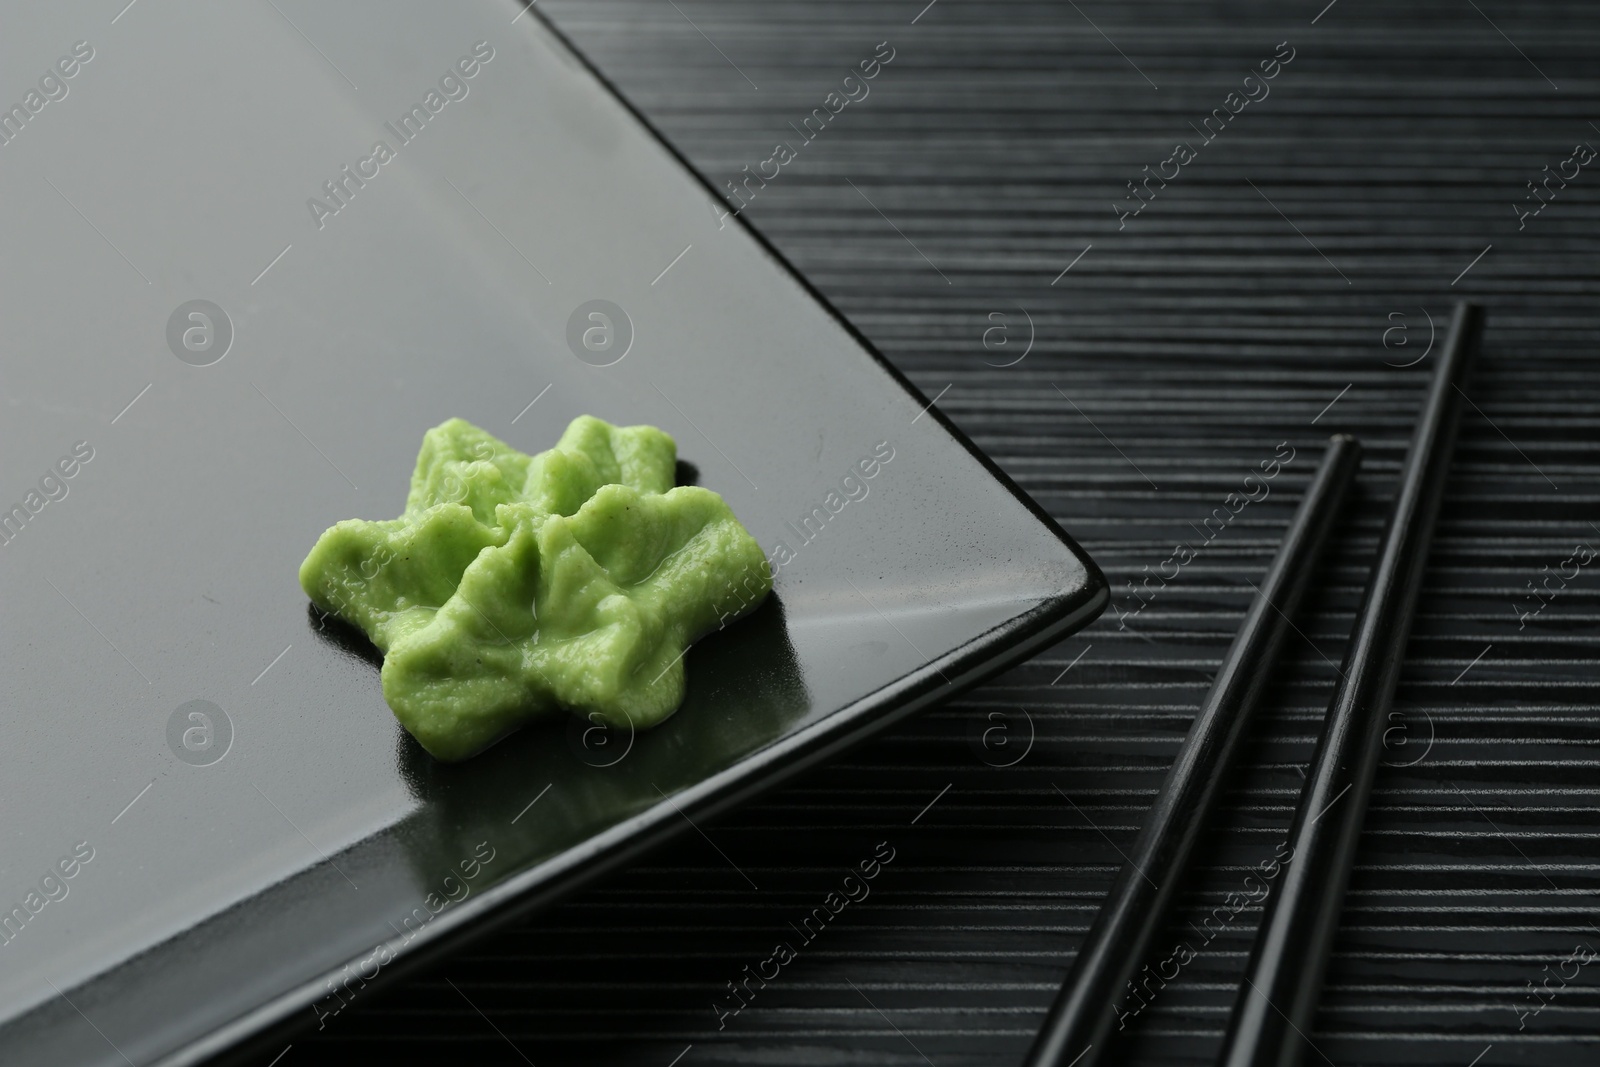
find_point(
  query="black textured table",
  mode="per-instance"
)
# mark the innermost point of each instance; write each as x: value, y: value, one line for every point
x: 1130, y: 357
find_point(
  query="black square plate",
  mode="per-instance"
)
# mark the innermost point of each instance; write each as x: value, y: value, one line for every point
x: 231, y: 316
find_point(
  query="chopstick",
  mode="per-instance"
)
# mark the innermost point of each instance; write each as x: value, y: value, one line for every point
x: 1079, y: 1023
x: 1283, y: 980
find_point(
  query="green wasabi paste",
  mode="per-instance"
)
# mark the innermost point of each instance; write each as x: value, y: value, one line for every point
x: 513, y: 585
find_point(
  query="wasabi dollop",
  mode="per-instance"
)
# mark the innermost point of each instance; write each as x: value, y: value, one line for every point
x: 515, y: 585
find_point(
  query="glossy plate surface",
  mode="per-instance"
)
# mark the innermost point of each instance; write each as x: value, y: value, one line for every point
x: 242, y: 857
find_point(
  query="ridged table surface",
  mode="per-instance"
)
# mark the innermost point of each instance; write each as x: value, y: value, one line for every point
x: 1273, y: 291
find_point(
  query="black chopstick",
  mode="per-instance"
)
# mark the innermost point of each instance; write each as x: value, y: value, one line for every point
x: 1076, y: 1030
x: 1283, y: 980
